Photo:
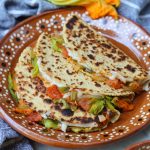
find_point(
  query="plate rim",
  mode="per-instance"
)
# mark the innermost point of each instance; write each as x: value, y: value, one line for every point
x: 135, y: 145
x: 22, y: 130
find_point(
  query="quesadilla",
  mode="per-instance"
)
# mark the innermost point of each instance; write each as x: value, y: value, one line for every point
x: 55, y: 68
x: 97, y: 54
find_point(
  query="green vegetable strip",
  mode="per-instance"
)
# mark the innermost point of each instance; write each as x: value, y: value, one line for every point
x: 65, y: 104
x: 74, y: 108
x: 35, y: 70
x: 10, y: 81
x: 114, y: 101
x: 109, y: 105
x: 11, y: 87
x: 55, y: 42
x: 76, y: 129
x: 49, y: 123
x: 97, y: 106
x: 73, y: 95
x: 64, y: 89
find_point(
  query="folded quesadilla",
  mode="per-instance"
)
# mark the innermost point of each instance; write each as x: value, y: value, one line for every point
x: 99, y: 56
x: 56, y: 68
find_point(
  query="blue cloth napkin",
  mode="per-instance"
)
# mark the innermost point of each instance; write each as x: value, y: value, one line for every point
x: 14, y: 11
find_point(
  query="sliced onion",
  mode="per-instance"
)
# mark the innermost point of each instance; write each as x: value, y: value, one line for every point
x: 66, y: 95
x: 44, y: 116
x: 116, y: 117
x: 64, y: 127
x: 102, y: 118
x: 146, y: 86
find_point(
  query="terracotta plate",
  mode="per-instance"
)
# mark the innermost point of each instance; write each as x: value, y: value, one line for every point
x: 125, y: 34
x: 145, y: 145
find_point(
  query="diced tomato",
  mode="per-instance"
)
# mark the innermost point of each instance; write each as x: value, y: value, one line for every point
x: 117, y: 84
x: 85, y: 103
x: 54, y: 93
x: 23, y: 108
x: 34, y: 117
x: 65, y: 52
x: 125, y: 106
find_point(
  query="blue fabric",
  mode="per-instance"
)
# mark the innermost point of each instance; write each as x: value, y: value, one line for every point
x: 136, y: 10
x: 14, y: 11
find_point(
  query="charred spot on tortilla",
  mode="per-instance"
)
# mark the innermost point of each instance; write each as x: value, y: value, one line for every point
x: 106, y: 45
x: 130, y: 68
x: 91, y: 56
x: 97, y: 84
x: 71, y: 22
x: 70, y: 73
x: 57, y: 107
x: 40, y: 111
x: 84, y: 119
x: 48, y: 101
x: 30, y: 104
x: 67, y: 112
x: 82, y: 26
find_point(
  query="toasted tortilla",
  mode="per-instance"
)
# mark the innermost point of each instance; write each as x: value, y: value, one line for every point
x: 93, y: 51
x: 55, y: 68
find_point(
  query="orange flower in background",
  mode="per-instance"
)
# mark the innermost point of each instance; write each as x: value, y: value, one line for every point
x: 100, y: 8
x: 116, y: 3
x: 96, y: 8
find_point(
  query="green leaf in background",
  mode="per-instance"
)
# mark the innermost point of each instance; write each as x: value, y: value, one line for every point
x: 49, y: 123
x: 11, y: 87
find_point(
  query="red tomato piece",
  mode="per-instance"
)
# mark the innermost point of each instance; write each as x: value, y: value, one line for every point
x: 54, y: 93
x: 65, y: 52
x: 34, y: 117
x: 125, y: 106
x: 85, y: 103
x: 117, y: 84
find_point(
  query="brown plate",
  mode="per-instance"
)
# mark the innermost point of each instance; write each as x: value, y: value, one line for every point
x: 145, y: 145
x: 124, y: 33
